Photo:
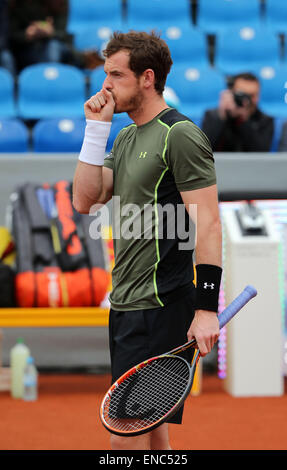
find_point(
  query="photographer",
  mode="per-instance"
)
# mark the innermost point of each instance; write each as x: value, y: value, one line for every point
x: 237, y: 125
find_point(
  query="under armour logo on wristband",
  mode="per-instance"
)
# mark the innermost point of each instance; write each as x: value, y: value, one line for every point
x: 210, y: 286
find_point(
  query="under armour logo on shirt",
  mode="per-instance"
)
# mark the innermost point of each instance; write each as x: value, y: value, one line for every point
x: 206, y: 286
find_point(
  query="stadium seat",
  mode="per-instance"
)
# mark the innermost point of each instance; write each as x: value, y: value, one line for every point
x: 7, y: 108
x: 86, y: 14
x: 97, y: 78
x: 173, y: 101
x: 159, y: 14
x: 50, y: 91
x: 187, y: 45
x: 119, y: 122
x: 246, y: 50
x: 278, y: 124
x: 273, y: 96
x: 197, y: 120
x: 171, y: 97
x: 95, y: 37
x: 198, y: 89
x: 58, y: 135
x: 214, y: 16
x: 14, y: 136
x: 276, y: 15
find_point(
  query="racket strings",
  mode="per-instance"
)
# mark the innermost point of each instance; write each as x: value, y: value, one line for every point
x: 148, y: 395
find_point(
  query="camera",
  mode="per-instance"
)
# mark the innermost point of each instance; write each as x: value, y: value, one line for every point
x: 240, y: 98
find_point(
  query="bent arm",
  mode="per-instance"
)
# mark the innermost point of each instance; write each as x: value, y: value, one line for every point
x: 92, y: 185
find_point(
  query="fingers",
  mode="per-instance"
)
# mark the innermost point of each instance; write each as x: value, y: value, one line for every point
x: 101, y: 103
x: 108, y: 95
x: 213, y: 341
x: 203, y: 349
x: 204, y: 346
x: 96, y: 102
x: 205, y: 343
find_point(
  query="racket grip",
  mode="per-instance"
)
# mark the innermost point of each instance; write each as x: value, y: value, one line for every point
x: 247, y: 294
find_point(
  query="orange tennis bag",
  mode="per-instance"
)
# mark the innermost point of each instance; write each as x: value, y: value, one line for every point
x: 57, y: 264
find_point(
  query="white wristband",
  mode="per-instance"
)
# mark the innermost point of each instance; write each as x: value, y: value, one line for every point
x: 95, y: 141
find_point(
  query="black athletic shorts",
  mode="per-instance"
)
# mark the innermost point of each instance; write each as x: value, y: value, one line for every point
x: 139, y: 334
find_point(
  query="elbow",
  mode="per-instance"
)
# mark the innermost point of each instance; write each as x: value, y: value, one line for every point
x: 80, y: 207
x: 85, y: 206
x: 81, y: 202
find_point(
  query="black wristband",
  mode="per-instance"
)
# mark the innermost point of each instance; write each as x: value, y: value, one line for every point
x: 208, y: 278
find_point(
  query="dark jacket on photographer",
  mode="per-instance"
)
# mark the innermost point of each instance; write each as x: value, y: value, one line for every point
x: 233, y: 135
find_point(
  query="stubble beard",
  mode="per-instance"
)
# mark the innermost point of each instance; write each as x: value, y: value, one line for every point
x: 131, y: 105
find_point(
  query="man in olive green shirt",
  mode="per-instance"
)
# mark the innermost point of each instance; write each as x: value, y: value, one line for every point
x: 151, y: 164
x: 162, y: 159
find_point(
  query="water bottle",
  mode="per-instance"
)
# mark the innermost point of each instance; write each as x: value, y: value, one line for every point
x: 18, y: 358
x: 30, y: 381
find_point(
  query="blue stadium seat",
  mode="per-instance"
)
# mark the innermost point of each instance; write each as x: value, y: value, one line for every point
x: 246, y: 50
x: 95, y: 37
x: 97, y: 78
x: 58, y: 135
x: 278, y: 125
x: 214, y: 16
x: 276, y: 15
x: 14, y: 136
x: 198, y: 89
x: 171, y: 97
x: 273, y: 96
x: 86, y: 14
x: 197, y: 120
x: 159, y: 14
x: 118, y: 123
x: 51, y: 90
x: 173, y: 101
x: 7, y: 107
x: 187, y: 45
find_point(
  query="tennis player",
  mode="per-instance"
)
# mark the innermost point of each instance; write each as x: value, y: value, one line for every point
x: 162, y: 159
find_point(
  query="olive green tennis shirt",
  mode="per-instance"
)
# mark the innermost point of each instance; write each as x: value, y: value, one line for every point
x: 151, y: 165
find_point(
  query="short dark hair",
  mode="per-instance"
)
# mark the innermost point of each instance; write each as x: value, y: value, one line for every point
x: 245, y: 76
x: 147, y: 51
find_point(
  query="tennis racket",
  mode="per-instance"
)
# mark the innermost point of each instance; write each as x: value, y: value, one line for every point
x: 151, y: 392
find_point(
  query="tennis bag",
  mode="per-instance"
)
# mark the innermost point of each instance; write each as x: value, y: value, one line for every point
x: 58, y: 264
x: 7, y: 298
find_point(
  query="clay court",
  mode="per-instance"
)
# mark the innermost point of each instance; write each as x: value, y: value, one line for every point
x: 66, y: 417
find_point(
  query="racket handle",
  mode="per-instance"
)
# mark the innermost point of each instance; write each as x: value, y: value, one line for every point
x: 247, y: 294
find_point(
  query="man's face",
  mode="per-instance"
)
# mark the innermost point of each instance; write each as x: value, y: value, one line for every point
x: 249, y: 87
x: 122, y: 83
